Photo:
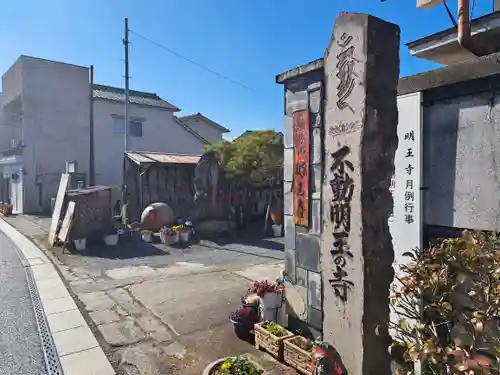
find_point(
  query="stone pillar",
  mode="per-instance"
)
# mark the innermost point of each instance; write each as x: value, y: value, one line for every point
x: 361, y: 117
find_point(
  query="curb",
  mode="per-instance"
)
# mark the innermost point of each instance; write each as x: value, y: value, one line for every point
x: 63, y: 330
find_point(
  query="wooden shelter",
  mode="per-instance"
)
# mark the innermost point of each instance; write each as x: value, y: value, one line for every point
x: 159, y: 177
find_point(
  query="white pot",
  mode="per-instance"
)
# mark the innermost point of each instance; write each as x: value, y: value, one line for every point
x: 184, y: 236
x: 146, y: 236
x: 111, y: 239
x: 271, y: 301
x: 276, y: 230
x: 270, y: 315
x: 80, y: 244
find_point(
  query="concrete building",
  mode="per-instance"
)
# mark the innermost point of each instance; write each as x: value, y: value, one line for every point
x: 207, y: 128
x: 45, y: 123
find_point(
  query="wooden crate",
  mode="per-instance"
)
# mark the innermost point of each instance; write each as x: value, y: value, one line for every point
x: 297, y: 357
x: 273, y: 344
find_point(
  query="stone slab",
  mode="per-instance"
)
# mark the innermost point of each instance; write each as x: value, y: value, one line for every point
x: 124, y: 332
x: 87, y: 362
x: 361, y: 118
x: 57, y: 305
x: 154, y: 328
x: 96, y: 301
x: 52, y: 288
x: 65, y: 320
x: 74, y: 340
x: 195, y: 302
x: 125, y: 301
x: 35, y: 261
x: 104, y: 316
x: 308, y: 251
x: 130, y: 272
x: 43, y: 272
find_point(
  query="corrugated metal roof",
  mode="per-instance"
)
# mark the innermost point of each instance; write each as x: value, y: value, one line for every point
x: 142, y: 157
x: 135, y: 97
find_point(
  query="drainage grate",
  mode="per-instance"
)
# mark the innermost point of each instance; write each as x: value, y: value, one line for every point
x: 49, y: 349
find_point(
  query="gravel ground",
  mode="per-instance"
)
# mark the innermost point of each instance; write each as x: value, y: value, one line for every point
x: 20, y: 348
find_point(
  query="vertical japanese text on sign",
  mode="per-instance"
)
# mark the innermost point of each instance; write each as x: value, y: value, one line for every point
x: 301, y: 142
x: 409, y: 197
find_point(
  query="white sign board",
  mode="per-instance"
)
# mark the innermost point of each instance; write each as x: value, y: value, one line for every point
x: 405, y: 223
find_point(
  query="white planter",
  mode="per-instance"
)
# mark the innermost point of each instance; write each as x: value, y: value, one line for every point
x: 111, y: 239
x: 146, y: 236
x: 184, y: 236
x: 80, y: 244
x: 270, y: 315
x: 276, y: 230
x: 271, y: 301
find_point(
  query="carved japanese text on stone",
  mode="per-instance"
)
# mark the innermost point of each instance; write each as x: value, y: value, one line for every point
x: 343, y: 128
x: 301, y: 152
x: 342, y: 187
x: 345, y: 71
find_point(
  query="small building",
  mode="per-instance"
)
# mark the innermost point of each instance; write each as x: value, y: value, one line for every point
x: 45, y: 111
x: 159, y: 177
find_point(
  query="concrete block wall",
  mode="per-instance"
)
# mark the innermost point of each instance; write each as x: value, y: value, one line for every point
x: 302, y: 245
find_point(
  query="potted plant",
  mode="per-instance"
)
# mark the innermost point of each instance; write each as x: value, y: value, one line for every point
x: 298, y: 353
x: 270, y: 336
x: 80, y: 244
x: 183, y: 231
x: 237, y: 365
x: 169, y: 236
x: 270, y: 293
x: 448, y: 309
x: 111, y: 237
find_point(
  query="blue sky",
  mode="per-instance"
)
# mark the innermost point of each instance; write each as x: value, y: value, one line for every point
x: 248, y: 41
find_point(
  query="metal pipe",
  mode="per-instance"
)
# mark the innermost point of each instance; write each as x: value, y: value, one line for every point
x: 464, y: 31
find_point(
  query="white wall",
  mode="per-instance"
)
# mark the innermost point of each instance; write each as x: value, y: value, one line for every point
x: 56, y: 113
x: 207, y: 131
x: 160, y: 133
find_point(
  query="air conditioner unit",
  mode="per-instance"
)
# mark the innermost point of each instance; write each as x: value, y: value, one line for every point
x: 15, y: 143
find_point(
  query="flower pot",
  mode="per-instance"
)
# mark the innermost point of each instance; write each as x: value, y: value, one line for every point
x: 146, y: 236
x: 80, y: 244
x: 273, y: 344
x: 212, y: 367
x: 271, y: 301
x: 111, y: 239
x: 298, y: 358
x: 169, y: 239
x: 277, y: 230
x: 184, y: 236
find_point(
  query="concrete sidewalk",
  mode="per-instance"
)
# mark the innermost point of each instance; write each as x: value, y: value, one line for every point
x: 161, y: 311
x: 78, y: 350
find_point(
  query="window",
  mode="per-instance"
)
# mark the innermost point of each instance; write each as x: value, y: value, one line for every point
x: 134, y: 127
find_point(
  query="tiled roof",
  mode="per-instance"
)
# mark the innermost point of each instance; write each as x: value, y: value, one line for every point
x: 135, y: 97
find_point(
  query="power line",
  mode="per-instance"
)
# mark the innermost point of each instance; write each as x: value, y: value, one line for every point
x: 192, y: 61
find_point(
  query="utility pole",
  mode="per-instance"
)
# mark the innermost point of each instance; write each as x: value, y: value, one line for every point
x: 126, y: 44
x: 91, y: 146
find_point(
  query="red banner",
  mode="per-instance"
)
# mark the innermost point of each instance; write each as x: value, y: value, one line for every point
x: 301, y: 144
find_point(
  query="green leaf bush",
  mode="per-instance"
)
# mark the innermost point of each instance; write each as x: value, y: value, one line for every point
x: 448, y: 305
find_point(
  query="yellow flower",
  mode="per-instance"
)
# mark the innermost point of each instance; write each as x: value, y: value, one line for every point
x: 226, y: 365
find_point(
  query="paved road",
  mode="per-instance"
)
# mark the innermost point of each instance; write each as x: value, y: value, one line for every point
x: 20, y: 347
